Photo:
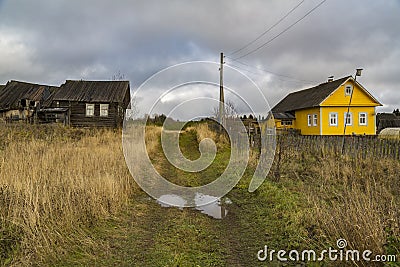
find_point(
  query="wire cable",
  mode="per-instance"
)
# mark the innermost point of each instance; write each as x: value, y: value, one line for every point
x: 267, y: 71
x: 268, y: 30
x: 282, y: 32
x: 291, y: 80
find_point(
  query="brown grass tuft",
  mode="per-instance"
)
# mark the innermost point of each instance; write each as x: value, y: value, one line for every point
x: 354, y: 199
x: 54, y: 183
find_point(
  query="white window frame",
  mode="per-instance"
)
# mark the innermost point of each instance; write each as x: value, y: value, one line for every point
x: 365, y: 123
x: 309, y: 120
x: 333, y: 116
x: 104, y: 110
x: 349, y: 86
x: 315, y: 119
x: 89, y: 110
x: 350, y: 117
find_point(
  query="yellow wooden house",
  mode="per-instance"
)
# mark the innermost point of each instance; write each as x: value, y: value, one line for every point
x: 335, y: 107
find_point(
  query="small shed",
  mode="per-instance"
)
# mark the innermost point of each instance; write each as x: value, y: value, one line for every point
x: 390, y: 133
x: 91, y: 103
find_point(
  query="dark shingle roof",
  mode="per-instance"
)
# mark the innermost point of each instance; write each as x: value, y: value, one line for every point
x: 307, y: 98
x: 14, y: 91
x: 47, y: 102
x: 92, y: 91
x: 387, y: 116
x: 283, y: 115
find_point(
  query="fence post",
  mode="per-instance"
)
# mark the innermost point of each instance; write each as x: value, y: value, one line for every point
x: 398, y: 150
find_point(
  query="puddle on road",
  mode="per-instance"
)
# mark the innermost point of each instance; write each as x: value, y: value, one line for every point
x: 173, y: 199
x: 216, y: 207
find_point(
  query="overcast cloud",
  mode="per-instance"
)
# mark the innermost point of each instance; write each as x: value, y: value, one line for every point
x: 49, y: 41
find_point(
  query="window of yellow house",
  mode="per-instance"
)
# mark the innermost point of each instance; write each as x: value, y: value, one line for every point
x: 333, y: 119
x: 315, y: 120
x: 348, y: 90
x: 362, y: 118
x: 309, y: 120
x: 348, y: 118
x: 287, y: 123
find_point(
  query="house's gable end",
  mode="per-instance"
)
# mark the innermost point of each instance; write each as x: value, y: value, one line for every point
x: 360, y: 97
x: 323, y: 102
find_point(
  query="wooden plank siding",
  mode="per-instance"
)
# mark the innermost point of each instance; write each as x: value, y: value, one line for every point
x: 78, y: 118
x: 75, y: 95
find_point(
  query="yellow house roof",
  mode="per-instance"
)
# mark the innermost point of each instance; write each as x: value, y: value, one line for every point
x: 314, y: 96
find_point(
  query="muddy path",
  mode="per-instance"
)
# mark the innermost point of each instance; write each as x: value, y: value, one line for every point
x: 148, y: 234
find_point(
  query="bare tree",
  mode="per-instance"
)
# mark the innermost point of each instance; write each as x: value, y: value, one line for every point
x: 229, y: 112
x: 132, y: 111
x: 119, y: 76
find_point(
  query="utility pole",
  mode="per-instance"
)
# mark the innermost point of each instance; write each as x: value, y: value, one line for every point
x: 358, y: 73
x: 221, y: 111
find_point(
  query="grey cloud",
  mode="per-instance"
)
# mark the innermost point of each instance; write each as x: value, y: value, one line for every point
x: 56, y: 40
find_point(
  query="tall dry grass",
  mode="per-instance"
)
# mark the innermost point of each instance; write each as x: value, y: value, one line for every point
x: 203, y: 131
x: 56, y: 182
x: 354, y: 199
x: 360, y: 202
x: 152, y: 138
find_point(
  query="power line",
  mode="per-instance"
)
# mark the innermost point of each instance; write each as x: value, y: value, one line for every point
x: 282, y: 32
x: 267, y: 71
x: 236, y: 66
x: 291, y: 80
x: 268, y: 30
x: 276, y: 77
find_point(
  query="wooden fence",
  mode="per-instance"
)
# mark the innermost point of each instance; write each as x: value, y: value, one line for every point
x: 354, y: 146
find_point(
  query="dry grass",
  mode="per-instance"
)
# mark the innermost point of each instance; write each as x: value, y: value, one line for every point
x: 152, y: 138
x: 357, y: 200
x: 203, y: 131
x: 54, y: 183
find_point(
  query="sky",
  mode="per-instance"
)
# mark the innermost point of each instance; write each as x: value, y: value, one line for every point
x: 49, y: 41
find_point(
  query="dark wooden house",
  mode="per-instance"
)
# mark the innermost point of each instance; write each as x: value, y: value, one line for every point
x: 21, y: 100
x: 387, y: 120
x: 90, y: 103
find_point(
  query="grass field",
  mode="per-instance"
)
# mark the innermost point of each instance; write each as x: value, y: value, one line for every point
x: 67, y: 199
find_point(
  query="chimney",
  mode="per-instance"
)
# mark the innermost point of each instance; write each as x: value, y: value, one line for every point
x: 330, y: 79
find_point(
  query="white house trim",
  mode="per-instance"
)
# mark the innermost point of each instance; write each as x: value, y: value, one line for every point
x: 320, y: 120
